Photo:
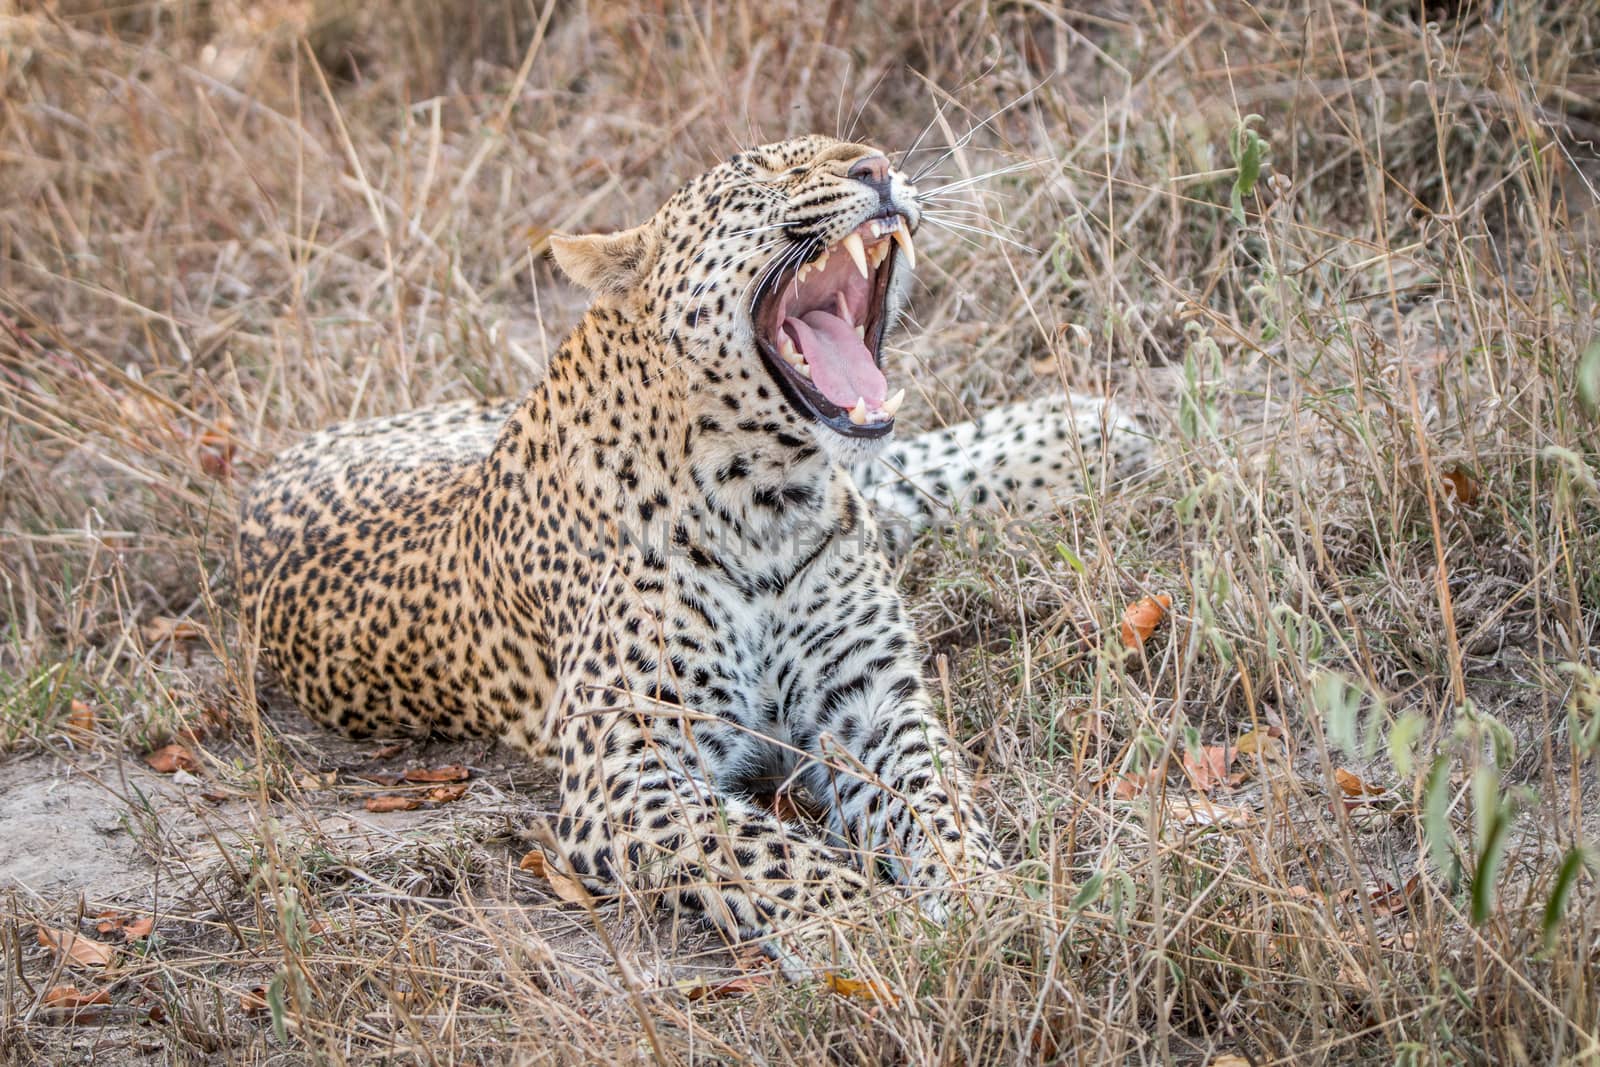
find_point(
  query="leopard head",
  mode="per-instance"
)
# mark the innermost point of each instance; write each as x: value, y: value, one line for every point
x: 774, y: 279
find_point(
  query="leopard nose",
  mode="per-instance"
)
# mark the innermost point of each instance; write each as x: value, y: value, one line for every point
x: 872, y: 170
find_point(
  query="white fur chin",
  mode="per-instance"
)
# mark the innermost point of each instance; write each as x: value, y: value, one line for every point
x: 848, y: 451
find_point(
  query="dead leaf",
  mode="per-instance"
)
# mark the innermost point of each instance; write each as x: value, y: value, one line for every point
x: 1142, y: 618
x: 562, y: 885
x: 865, y: 990
x: 1208, y: 768
x: 394, y: 748
x: 311, y: 781
x: 1387, y: 900
x: 216, y: 450
x: 165, y: 628
x: 748, y: 957
x: 1131, y: 785
x: 393, y: 803
x: 1260, y: 742
x: 1460, y: 485
x: 170, y: 758
x: 131, y: 927
x: 81, y: 720
x: 453, y: 773
x: 1351, y: 784
x: 253, y: 1001
x: 1198, y: 811
x: 69, y: 998
x: 443, y: 794
x: 701, y: 989
x: 77, y: 948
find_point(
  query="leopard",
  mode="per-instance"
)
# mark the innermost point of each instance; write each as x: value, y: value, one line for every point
x: 667, y: 570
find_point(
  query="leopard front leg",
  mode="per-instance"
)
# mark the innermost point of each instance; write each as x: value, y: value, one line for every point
x: 848, y: 687
x: 636, y: 814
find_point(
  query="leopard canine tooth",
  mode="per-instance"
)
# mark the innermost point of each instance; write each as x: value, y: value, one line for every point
x: 892, y: 405
x: 858, y: 253
x: 858, y: 414
x: 902, y: 237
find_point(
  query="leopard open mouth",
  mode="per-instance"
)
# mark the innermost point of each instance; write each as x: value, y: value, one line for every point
x: 820, y: 328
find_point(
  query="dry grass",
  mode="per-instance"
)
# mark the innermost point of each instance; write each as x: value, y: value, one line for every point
x: 1376, y: 506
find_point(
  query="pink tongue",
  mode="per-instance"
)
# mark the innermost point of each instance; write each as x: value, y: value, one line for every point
x: 842, y: 368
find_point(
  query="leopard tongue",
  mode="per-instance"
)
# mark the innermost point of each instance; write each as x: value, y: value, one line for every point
x: 842, y: 367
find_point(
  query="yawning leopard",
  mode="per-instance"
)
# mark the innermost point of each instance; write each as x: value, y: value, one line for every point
x: 659, y: 567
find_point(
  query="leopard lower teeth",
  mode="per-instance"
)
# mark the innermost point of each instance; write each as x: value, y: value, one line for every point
x: 858, y: 414
x: 892, y: 405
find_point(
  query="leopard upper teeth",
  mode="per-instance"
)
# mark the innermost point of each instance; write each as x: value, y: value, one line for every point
x: 902, y: 237
x: 858, y: 252
x: 877, y: 253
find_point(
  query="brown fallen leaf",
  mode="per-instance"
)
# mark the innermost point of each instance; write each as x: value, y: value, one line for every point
x: 1208, y: 767
x: 1199, y: 811
x: 701, y: 989
x: 865, y: 990
x: 453, y: 773
x: 1131, y: 785
x: 443, y: 794
x: 312, y: 781
x: 393, y: 803
x: 77, y: 948
x: 253, y: 1001
x: 169, y: 759
x: 165, y: 628
x: 1387, y: 900
x: 563, y: 885
x: 1142, y: 618
x: 70, y: 998
x: 1351, y: 784
x: 1460, y: 485
x: 380, y: 778
x: 131, y: 927
x: 1268, y: 741
x: 81, y: 720
x: 67, y: 1005
x: 215, y: 449
x: 393, y: 748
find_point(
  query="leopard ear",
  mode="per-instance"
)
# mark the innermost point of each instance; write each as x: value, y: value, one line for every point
x: 606, y: 262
